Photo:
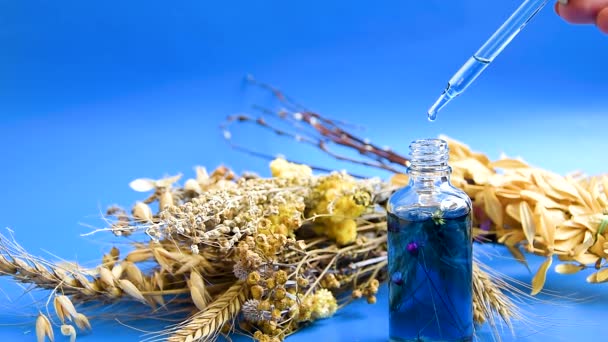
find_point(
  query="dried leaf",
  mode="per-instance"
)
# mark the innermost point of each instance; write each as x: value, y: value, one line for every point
x: 586, y: 197
x: 508, y: 194
x: 601, y: 275
x: 568, y: 268
x: 474, y: 169
x: 512, y: 238
x: 586, y: 258
x: 605, y: 184
x: 569, y: 244
x: 399, y: 179
x: 508, y: 163
x: 587, y: 221
x: 576, y: 210
x: 598, y: 246
x: 538, y: 282
x: 546, y: 226
x: 587, y: 242
x: 472, y: 189
x: 493, y: 208
x: 541, y: 199
x: 561, y: 185
x: 513, y: 211
x: 540, y: 181
x: 592, y: 278
x: 527, y: 222
x: 518, y: 255
x: 603, y: 225
x: 566, y: 233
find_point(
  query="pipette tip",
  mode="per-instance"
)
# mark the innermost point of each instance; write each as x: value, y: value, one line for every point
x: 436, y: 107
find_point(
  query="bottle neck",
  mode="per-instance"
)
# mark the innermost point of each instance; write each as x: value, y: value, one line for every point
x: 429, y: 163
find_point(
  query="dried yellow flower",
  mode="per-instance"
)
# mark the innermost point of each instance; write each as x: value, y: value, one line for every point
x: 253, y: 278
x: 264, y: 305
x: 279, y: 293
x: 283, y: 169
x: 324, y: 304
x: 275, y: 314
x: 281, y: 277
x: 257, y: 292
x: 302, y: 282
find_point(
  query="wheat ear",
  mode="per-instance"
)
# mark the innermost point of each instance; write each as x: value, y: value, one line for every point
x: 205, y: 325
x: 489, y: 300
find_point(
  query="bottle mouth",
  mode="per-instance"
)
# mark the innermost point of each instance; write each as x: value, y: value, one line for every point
x: 429, y: 155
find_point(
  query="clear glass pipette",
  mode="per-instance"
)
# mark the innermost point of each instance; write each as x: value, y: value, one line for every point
x: 475, y: 65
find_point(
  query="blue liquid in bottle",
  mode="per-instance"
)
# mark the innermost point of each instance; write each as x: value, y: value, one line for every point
x: 430, y: 284
x: 430, y: 259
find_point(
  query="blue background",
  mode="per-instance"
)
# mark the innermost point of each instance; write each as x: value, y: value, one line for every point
x: 95, y: 95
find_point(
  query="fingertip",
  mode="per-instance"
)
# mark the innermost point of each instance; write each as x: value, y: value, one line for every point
x: 602, y: 20
x: 575, y: 13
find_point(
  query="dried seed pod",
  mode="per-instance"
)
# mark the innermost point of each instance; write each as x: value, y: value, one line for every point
x: 133, y: 273
x: 192, y: 186
x: 198, y: 298
x: 142, y: 212
x: 6, y: 266
x: 43, y: 328
x: 139, y: 255
x: 66, y: 307
x: 568, y: 268
x: 117, y: 271
x: 59, y: 310
x: 82, y: 322
x: 131, y: 290
x: 106, y: 277
x: 165, y: 200
x: 68, y: 330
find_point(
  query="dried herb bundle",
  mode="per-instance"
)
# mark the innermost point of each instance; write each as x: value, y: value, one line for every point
x: 264, y: 256
x: 522, y: 206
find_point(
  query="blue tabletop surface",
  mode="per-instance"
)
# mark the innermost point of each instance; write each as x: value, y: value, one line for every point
x: 96, y: 94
